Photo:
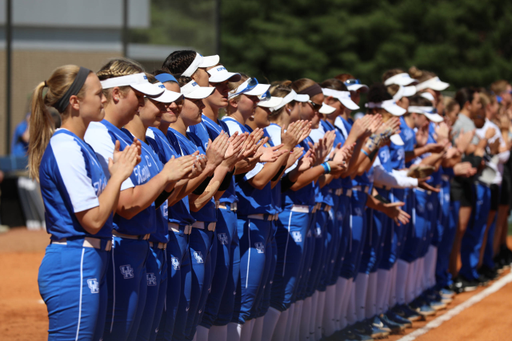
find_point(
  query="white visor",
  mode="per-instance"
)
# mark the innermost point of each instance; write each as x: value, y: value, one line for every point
x: 396, y: 139
x: 326, y: 109
x: 434, y: 84
x: 192, y: 90
x: 167, y: 96
x: 200, y: 61
x: 292, y: 96
x: 429, y: 112
x: 243, y: 88
x: 137, y: 81
x: 342, y: 96
x: 220, y: 74
x: 404, y: 91
x: 355, y: 87
x: 389, y: 105
x: 401, y: 79
x: 258, y: 90
x: 428, y: 96
x: 272, y: 102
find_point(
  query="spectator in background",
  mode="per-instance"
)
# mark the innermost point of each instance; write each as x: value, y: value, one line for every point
x: 19, y: 145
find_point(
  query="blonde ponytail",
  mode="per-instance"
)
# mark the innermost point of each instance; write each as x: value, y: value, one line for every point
x: 41, y: 122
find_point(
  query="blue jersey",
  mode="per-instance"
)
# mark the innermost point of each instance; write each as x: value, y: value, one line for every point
x: 251, y: 199
x: 179, y: 213
x: 385, y: 159
x: 436, y: 176
x: 102, y: 136
x: 409, y: 137
x: 335, y: 184
x: 161, y: 235
x: 188, y: 145
x: 209, y: 129
x: 71, y: 179
x: 276, y: 191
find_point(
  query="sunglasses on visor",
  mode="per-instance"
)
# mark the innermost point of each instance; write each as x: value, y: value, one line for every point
x: 246, y: 86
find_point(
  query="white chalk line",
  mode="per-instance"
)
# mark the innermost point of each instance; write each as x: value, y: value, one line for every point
x: 458, y: 309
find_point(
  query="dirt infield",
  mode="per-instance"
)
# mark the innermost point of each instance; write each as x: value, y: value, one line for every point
x: 23, y: 315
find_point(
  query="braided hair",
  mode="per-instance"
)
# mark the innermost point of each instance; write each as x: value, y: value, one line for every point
x: 178, y: 61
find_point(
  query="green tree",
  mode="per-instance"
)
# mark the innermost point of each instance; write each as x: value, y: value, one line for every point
x: 467, y: 42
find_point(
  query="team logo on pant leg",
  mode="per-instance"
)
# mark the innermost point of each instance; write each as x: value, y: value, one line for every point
x: 223, y: 238
x: 151, y: 279
x: 126, y: 271
x: 297, y: 236
x: 94, y: 285
x: 309, y: 234
x: 358, y: 211
x: 175, y: 263
x: 198, y: 256
x: 447, y: 197
x: 259, y: 247
x: 339, y: 216
x: 318, y: 232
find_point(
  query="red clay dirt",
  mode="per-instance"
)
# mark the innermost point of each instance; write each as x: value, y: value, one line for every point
x: 23, y: 315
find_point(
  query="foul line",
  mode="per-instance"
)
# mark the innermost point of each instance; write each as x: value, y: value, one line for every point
x: 458, y: 309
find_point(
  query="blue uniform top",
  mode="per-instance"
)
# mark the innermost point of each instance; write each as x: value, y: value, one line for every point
x: 71, y: 179
x: 252, y: 200
x: 18, y: 146
x: 179, y: 212
x: 409, y: 137
x: 436, y: 176
x: 209, y: 129
x: 102, y: 136
x: 161, y: 235
x: 188, y: 145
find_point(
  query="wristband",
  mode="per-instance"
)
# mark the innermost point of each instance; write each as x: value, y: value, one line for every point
x: 327, y: 167
x: 364, y: 152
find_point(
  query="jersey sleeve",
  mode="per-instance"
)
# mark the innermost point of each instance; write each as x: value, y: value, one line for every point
x: 72, y: 169
x: 98, y: 137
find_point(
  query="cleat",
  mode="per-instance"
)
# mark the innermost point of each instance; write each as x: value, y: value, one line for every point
x: 394, y: 327
x: 398, y: 319
x: 406, y: 312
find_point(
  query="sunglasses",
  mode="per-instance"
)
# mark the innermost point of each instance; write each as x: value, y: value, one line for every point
x: 265, y: 97
x: 314, y: 105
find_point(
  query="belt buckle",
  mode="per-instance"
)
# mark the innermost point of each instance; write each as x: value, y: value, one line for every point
x: 188, y: 229
x: 349, y: 192
x: 234, y: 206
x: 211, y: 226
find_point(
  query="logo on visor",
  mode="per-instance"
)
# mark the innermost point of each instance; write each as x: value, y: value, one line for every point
x: 221, y: 68
x: 161, y: 86
x: 194, y: 84
x: 145, y: 77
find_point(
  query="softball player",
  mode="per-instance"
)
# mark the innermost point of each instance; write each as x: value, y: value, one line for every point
x: 78, y: 202
x: 124, y: 85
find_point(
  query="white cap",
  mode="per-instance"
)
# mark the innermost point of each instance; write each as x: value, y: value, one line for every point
x: 200, y: 61
x: 390, y: 106
x: 192, y: 90
x: 429, y: 112
x: 292, y: 96
x: 326, y: 109
x: 400, y: 79
x: 167, y: 96
x: 248, y: 90
x: 137, y: 81
x: 433, y: 83
x: 271, y: 103
x: 397, y: 139
x: 342, y: 96
x: 220, y: 74
x: 428, y: 96
x: 404, y: 91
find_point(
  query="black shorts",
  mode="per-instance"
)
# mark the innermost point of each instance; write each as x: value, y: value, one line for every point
x: 462, y: 190
x: 495, y: 197
x: 505, y: 191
